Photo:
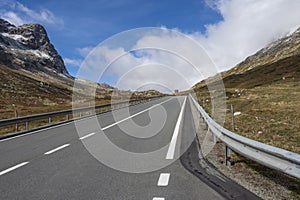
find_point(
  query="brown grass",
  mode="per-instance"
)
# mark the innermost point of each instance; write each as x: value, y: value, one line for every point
x: 268, y: 98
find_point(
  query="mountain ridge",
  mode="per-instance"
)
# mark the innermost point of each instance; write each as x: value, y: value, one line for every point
x: 280, y: 49
x: 267, y: 60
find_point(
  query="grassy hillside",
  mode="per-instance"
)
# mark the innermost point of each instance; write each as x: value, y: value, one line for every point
x: 268, y: 97
x: 36, y: 93
x: 29, y: 93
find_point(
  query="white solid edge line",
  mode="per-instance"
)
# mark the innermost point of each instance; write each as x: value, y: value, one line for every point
x: 171, y: 150
x: 158, y: 198
x: 131, y: 116
x: 86, y: 136
x: 163, y: 179
x: 56, y: 149
x: 48, y: 128
x: 13, y: 168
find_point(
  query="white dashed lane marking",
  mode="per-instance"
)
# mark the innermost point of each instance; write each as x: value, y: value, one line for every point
x: 163, y: 179
x: 131, y: 116
x: 56, y: 149
x: 13, y: 168
x: 86, y: 136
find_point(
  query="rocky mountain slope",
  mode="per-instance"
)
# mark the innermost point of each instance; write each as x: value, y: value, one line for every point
x: 28, y: 47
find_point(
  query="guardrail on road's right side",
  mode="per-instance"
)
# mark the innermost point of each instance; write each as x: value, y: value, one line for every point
x: 270, y: 156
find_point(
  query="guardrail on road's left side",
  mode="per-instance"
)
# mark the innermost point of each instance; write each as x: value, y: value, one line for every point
x: 77, y: 111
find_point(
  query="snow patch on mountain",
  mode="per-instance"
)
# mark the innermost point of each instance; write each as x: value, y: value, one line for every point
x: 15, y: 36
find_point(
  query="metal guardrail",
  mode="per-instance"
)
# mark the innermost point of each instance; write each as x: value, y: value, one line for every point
x: 270, y: 156
x: 80, y: 111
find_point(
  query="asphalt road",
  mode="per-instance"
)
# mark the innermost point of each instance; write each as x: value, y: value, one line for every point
x: 128, y: 154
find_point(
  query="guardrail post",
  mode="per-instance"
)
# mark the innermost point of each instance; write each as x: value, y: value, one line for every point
x: 67, y: 117
x: 214, y: 138
x: 80, y: 114
x: 206, y: 126
x: 26, y: 126
x: 232, y: 116
x: 49, y: 120
x: 16, y: 115
x: 227, y: 156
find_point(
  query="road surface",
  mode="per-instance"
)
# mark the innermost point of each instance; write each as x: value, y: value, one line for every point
x: 55, y: 163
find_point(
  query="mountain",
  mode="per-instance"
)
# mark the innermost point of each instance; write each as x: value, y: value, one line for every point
x: 278, y: 60
x: 265, y: 91
x: 34, y: 79
x: 28, y: 47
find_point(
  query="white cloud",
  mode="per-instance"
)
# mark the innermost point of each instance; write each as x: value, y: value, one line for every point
x: 247, y: 26
x: 18, y: 14
x: 85, y: 51
x: 73, y: 62
x: 12, y: 18
x: 77, y: 62
x: 160, y: 57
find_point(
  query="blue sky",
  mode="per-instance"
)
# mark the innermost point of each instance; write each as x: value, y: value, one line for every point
x: 228, y: 30
x: 81, y: 24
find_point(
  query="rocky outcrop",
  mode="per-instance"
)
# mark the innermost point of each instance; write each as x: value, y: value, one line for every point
x: 28, y: 47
